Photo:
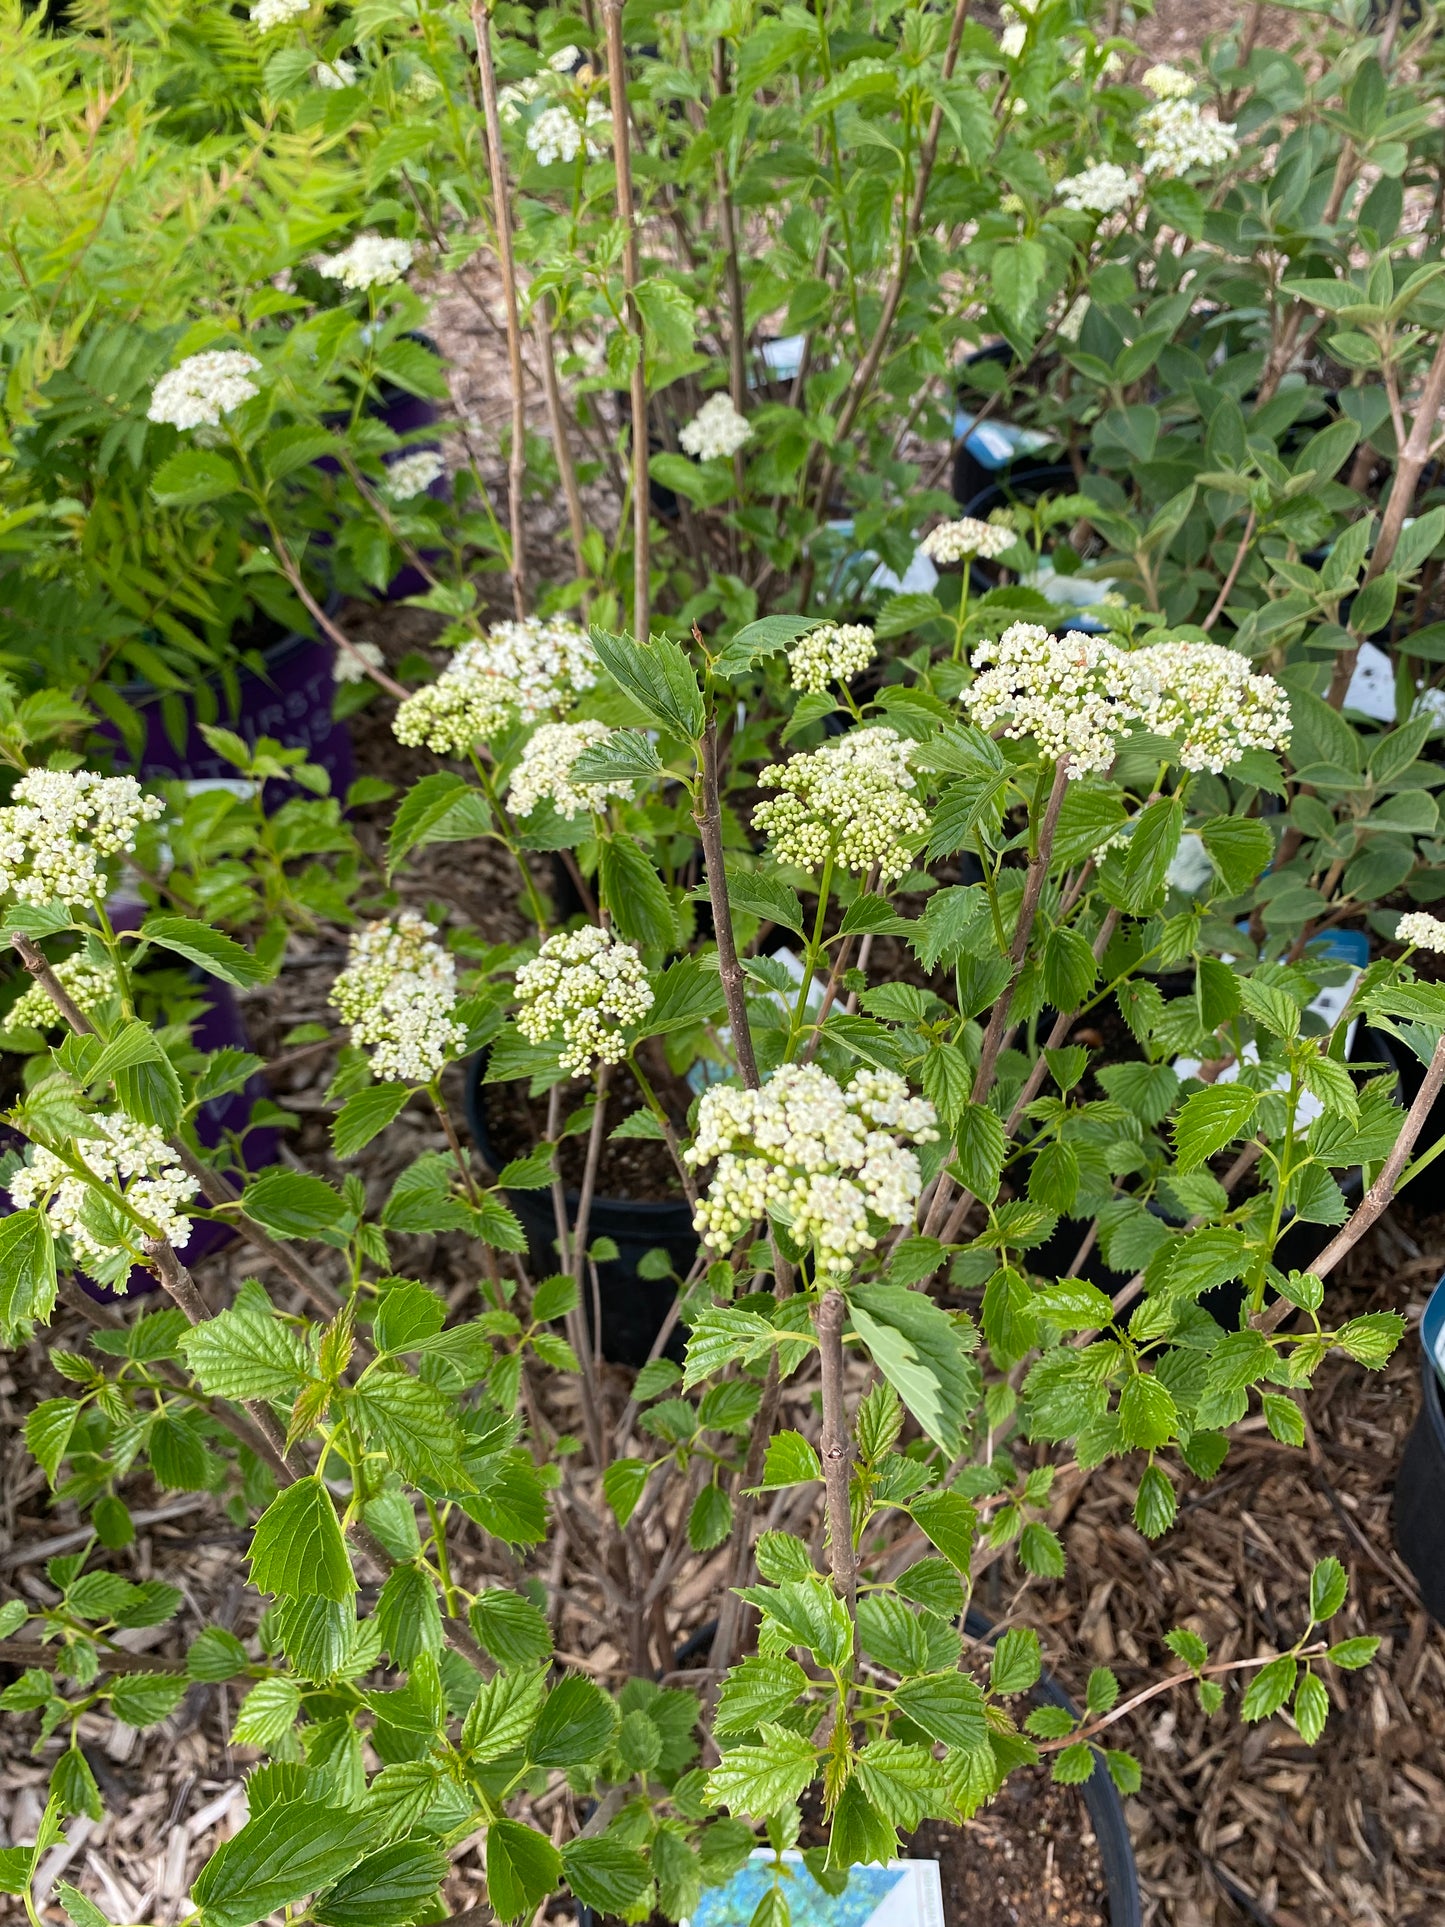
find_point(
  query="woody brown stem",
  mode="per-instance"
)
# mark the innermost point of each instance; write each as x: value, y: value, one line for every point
x: 637, y: 385
x: 709, y: 822
x: 502, y: 220
x: 836, y: 1450
x: 561, y: 442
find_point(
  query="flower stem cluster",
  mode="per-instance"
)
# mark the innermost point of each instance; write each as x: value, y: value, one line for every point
x: 545, y: 771
x: 824, y: 1160
x: 836, y: 652
x: 397, y: 992
x: 59, y: 827
x: 582, y: 987
x: 371, y: 261
x: 964, y: 539
x: 124, y: 1159
x: 852, y: 800
x: 717, y: 429
x: 203, y: 388
x: 1079, y: 696
x: 520, y: 669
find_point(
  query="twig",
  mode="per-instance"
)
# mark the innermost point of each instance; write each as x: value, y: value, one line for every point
x: 502, y: 220
x: 1167, y: 1685
x: 595, y: 1136
x: 836, y: 1450
x: 737, y: 312
x: 566, y: 467
x: 38, y: 964
x: 709, y: 822
x: 627, y: 216
x: 1234, y: 568
x: 1379, y: 1194
x: 328, y: 628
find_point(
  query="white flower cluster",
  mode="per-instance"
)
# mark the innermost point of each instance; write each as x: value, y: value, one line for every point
x: 349, y: 665
x: 267, y: 14
x: 1416, y: 927
x: 960, y: 541
x: 582, y: 986
x: 717, y: 429
x: 1101, y: 189
x: 371, y: 261
x: 819, y: 1158
x: 852, y: 797
x: 546, y: 767
x: 203, y: 388
x: 1011, y: 40
x: 1057, y: 689
x: 333, y: 75
x: 557, y: 134
x: 836, y: 652
x: 90, y: 984
x: 413, y: 475
x: 59, y: 823
x: 1168, y: 83
x: 1078, y: 695
x: 520, y: 669
x: 1176, y: 138
x: 126, y: 1158
x: 1207, y: 697
x: 397, y: 992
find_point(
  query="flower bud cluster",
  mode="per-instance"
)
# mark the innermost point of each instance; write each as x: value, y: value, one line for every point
x: 558, y: 133
x: 964, y: 539
x: 349, y: 665
x: 1176, y: 138
x: 836, y: 652
x: 58, y: 826
x: 414, y: 474
x: 546, y: 766
x: 520, y: 669
x: 852, y: 798
x: 398, y: 992
x: 1168, y: 83
x: 126, y: 1158
x: 267, y: 14
x: 1101, y: 189
x: 92, y: 985
x: 1079, y: 695
x: 717, y: 429
x: 824, y: 1160
x: 1418, y: 927
x: 203, y: 388
x: 371, y: 261
x: 582, y: 987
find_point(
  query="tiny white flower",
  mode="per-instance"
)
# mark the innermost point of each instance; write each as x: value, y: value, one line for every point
x: 821, y: 1158
x: 333, y: 75
x: 1176, y: 139
x: 582, y: 989
x: 60, y: 824
x: 202, y: 388
x: 371, y: 261
x: 717, y: 429
x: 397, y: 993
x: 960, y: 541
x: 520, y: 670
x: 349, y: 665
x: 125, y: 1160
x: 1101, y: 189
x: 557, y: 134
x: 832, y: 653
x: 1168, y: 83
x: 545, y: 771
x: 1419, y: 928
x: 853, y: 799
x: 1011, y: 40
x: 412, y: 475
x: 267, y: 14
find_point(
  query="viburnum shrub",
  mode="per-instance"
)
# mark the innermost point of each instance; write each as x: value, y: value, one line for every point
x: 858, y: 875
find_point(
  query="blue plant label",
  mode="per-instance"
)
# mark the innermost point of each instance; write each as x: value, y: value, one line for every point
x: 1432, y: 1329
x: 905, y: 1893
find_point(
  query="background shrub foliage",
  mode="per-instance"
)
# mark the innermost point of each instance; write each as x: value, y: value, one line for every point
x: 1243, y: 365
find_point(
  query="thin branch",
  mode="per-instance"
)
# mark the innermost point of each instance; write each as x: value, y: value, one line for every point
x: 737, y: 312
x: 502, y: 220
x: 709, y: 822
x: 38, y: 964
x: 631, y: 275
x: 566, y: 467
x: 1167, y: 1685
x: 324, y: 623
x: 1234, y: 568
x: 836, y: 1450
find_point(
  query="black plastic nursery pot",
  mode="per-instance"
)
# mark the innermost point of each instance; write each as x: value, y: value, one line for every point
x: 633, y: 1308
x: 1420, y: 1494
